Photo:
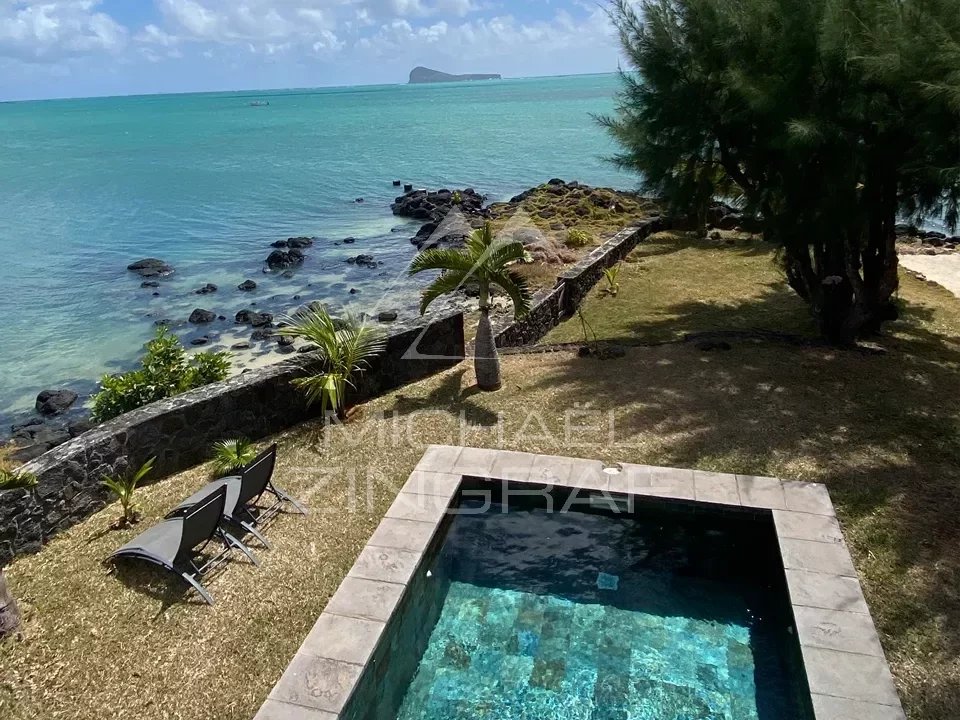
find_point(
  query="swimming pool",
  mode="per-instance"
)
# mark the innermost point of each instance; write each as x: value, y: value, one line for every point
x: 652, y: 611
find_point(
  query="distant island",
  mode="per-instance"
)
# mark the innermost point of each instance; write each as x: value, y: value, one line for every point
x: 426, y: 75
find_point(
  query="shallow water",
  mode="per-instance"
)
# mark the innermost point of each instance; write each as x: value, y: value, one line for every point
x: 207, y: 182
x: 587, y: 616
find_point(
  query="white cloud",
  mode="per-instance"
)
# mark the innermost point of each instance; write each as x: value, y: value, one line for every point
x: 53, y: 30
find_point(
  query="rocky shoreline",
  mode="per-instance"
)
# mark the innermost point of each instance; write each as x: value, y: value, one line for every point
x: 447, y: 216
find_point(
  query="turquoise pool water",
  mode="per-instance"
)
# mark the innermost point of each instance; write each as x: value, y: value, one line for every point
x: 583, y: 615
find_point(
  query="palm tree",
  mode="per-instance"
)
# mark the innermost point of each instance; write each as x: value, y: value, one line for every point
x: 345, y: 347
x: 9, y: 612
x: 486, y: 261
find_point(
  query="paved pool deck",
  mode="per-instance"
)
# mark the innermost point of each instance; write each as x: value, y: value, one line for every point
x: 847, y: 673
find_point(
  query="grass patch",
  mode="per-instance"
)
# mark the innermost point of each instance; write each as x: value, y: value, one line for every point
x: 882, y: 430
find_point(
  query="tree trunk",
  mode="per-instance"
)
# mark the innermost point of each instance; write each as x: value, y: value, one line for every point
x: 486, y: 361
x: 9, y: 612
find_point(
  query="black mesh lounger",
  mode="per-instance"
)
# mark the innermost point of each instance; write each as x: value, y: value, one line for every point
x: 243, y: 495
x: 175, y: 543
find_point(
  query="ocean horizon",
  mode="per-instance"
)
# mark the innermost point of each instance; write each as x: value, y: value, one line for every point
x: 207, y: 182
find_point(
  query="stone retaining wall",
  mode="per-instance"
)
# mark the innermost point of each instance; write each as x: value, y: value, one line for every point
x: 551, y: 307
x: 180, y: 431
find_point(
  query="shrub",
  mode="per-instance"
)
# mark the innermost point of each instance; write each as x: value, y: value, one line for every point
x: 230, y: 456
x: 457, y: 197
x: 124, y: 487
x: 10, y: 477
x: 611, y: 274
x: 165, y: 371
x: 578, y: 238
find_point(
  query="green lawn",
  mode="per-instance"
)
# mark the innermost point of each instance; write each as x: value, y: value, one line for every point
x: 881, y: 428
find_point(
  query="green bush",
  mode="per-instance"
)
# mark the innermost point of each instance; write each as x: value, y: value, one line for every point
x: 230, y: 456
x: 124, y: 487
x: 578, y: 238
x: 165, y: 371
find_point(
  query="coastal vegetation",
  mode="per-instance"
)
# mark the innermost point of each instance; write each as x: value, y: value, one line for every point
x: 486, y: 261
x: 11, y: 477
x: 125, y: 487
x: 165, y: 371
x: 766, y: 405
x: 345, y: 349
x: 824, y: 120
x: 230, y: 456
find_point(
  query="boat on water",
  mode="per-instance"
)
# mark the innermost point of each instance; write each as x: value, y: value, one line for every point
x: 260, y: 103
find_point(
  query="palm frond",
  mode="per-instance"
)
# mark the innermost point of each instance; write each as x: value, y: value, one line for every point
x: 442, y: 259
x: 515, y: 285
x: 449, y: 282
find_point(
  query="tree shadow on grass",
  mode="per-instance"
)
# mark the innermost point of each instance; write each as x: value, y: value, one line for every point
x: 450, y: 397
x: 882, y: 430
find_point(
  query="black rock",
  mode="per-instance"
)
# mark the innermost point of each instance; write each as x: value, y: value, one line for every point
x: 408, y: 188
x: 150, y: 267
x: 80, y: 427
x: 366, y: 261
x: 253, y: 318
x: 349, y: 240
x: 262, y: 334
x: 32, y: 422
x: 354, y: 291
x: 280, y: 260
x: 279, y: 244
x: 358, y: 200
x: 55, y: 402
x: 387, y: 316
x: 303, y: 349
x: 165, y: 322
x: 285, y: 341
x: 297, y: 243
x: 200, y: 316
x: 200, y: 341
x: 247, y: 285
x: 240, y: 346
x: 206, y: 289
x: 555, y: 181
x: 149, y: 284
x: 286, y: 274
x: 156, y: 294
x: 934, y: 235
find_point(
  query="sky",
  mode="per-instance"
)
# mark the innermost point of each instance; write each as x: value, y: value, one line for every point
x: 83, y: 48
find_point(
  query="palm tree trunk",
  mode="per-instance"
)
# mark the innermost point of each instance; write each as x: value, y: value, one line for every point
x: 9, y: 612
x: 486, y: 361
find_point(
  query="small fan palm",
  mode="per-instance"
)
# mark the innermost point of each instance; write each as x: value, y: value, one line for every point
x: 230, y: 456
x: 485, y: 260
x: 124, y: 487
x: 345, y: 347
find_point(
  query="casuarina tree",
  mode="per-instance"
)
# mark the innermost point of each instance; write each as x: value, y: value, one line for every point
x: 486, y: 261
x: 825, y: 120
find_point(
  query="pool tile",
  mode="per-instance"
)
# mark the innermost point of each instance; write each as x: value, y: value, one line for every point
x: 833, y: 708
x: 806, y: 526
x: 848, y: 675
x: 476, y: 462
x: 366, y: 599
x: 716, y: 488
x: 831, y: 592
x: 317, y: 683
x: 551, y: 470
x: 761, y: 492
x: 385, y: 564
x: 808, y: 497
x: 439, y: 458
x: 509, y: 465
x: 671, y: 483
x: 341, y: 638
x: 403, y: 534
x: 419, y: 507
x: 427, y: 482
x: 278, y: 710
x: 830, y: 558
x: 837, y: 630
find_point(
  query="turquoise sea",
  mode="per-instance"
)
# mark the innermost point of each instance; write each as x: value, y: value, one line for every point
x: 207, y: 182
